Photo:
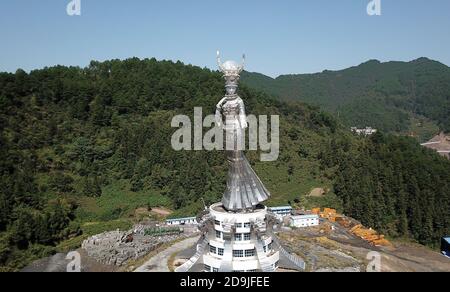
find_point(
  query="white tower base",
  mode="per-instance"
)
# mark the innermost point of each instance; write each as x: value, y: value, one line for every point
x: 235, y: 242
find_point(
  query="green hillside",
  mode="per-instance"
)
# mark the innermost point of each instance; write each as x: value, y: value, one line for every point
x: 391, y: 96
x: 83, y: 148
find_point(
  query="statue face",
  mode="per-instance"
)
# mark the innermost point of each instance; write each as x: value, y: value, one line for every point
x: 231, y: 90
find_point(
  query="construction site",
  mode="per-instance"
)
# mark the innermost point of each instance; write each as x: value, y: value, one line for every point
x: 354, y: 227
x: 440, y: 144
x: 342, y: 244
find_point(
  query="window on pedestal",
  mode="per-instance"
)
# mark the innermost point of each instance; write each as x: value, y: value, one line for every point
x: 238, y: 253
x: 249, y: 253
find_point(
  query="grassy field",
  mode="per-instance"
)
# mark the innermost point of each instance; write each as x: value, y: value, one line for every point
x: 115, y: 209
x: 118, y: 201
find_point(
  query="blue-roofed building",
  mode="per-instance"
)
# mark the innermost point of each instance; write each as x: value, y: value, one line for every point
x: 282, y: 211
x: 445, y: 246
x: 182, y: 221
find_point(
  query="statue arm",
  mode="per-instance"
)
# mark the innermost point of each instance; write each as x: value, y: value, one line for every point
x: 218, y: 117
x: 221, y: 102
x: 219, y: 120
x: 242, y: 115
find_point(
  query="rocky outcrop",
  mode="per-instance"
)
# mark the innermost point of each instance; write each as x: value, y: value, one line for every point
x: 119, y: 247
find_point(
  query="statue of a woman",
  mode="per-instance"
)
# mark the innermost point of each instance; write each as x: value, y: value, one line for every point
x: 244, y: 190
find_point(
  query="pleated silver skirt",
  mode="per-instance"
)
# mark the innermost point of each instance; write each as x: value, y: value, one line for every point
x: 244, y: 188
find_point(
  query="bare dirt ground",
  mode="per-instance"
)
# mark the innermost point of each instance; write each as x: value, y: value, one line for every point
x: 339, y: 251
x: 160, y: 262
x: 317, y: 192
x: 91, y: 265
x: 161, y: 211
x: 408, y: 257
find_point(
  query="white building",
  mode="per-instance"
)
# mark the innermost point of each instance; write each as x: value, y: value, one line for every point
x: 282, y: 211
x: 368, y: 131
x: 182, y: 221
x: 305, y: 221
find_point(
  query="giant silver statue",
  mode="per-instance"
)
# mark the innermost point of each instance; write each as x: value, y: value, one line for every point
x: 241, y: 203
x: 244, y: 188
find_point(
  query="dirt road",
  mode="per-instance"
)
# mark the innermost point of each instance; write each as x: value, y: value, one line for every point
x: 159, y: 263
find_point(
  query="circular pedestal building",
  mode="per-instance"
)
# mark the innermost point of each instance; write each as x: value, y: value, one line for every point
x: 238, y: 242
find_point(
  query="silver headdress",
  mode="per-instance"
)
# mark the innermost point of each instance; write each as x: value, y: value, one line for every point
x: 230, y: 68
x: 231, y: 72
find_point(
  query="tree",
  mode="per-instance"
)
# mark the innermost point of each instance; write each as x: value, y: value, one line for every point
x: 99, y: 114
x: 61, y: 183
x: 91, y: 187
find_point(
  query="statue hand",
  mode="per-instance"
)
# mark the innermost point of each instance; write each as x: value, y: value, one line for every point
x: 218, y: 117
x: 243, y: 121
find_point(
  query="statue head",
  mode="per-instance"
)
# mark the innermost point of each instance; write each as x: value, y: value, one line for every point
x: 231, y: 89
x: 231, y: 72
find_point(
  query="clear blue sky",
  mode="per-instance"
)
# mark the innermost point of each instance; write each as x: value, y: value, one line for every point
x: 284, y: 36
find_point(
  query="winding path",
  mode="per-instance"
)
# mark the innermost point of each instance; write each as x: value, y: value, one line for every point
x: 159, y: 263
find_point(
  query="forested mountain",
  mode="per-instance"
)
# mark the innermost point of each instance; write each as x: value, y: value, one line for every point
x: 86, y: 145
x: 391, y: 96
